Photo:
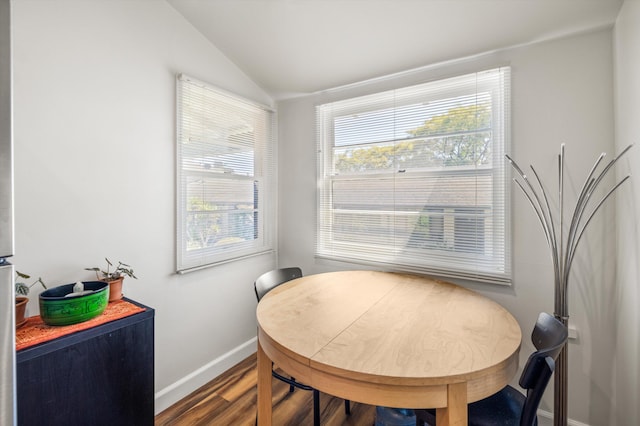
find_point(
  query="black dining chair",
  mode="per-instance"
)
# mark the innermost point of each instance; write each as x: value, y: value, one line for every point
x: 509, y: 407
x: 265, y: 283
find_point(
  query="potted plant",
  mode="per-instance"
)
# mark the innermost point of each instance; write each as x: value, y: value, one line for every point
x: 22, y: 290
x: 114, y: 276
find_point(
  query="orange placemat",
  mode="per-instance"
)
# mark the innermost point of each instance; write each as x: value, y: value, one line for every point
x: 35, y: 331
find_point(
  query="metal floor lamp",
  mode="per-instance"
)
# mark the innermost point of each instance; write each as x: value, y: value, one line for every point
x: 563, y: 242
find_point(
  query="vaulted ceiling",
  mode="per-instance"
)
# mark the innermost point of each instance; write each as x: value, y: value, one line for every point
x: 294, y: 47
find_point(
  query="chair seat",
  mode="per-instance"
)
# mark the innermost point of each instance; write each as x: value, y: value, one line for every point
x: 501, y: 409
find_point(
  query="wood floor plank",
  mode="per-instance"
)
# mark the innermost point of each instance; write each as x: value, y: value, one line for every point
x: 231, y: 399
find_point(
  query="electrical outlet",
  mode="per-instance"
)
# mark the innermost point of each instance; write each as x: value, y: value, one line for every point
x: 573, y: 333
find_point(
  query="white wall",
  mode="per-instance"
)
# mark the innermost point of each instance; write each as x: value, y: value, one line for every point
x: 627, y: 111
x: 562, y: 91
x: 94, y: 106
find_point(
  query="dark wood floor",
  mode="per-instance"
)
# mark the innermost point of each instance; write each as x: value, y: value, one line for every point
x: 230, y: 399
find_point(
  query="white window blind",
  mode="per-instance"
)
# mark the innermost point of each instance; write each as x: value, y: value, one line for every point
x: 224, y: 176
x: 415, y: 178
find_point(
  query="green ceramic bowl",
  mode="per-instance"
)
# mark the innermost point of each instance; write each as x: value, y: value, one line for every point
x: 56, y: 309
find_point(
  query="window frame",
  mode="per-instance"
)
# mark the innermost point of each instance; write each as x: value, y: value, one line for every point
x: 261, y: 181
x: 456, y: 266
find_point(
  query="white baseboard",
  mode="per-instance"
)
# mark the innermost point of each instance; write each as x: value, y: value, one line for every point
x: 545, y: 418
x: 173, y: 393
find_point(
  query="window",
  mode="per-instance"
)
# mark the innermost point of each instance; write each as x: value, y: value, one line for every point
x: 224, y: 176
x: 415, y: 178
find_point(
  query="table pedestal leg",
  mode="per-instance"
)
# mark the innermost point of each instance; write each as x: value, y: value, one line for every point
x: 264, y: 388
x: 455, y: 413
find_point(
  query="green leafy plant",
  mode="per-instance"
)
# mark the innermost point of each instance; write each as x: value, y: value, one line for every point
x: 118, y: 271
x: 22, y: 289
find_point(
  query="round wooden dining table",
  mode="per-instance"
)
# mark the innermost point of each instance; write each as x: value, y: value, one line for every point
x: 388, y: 339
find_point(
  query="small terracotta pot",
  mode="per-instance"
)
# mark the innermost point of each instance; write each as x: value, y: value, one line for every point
x: 21, y: 307
x: 115, y: 289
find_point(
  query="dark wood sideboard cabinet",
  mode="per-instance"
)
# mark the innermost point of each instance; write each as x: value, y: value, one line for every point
x: 100, y: 376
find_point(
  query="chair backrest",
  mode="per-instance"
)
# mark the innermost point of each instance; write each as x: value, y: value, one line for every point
x: 549, y: 337
x: 270, y: 280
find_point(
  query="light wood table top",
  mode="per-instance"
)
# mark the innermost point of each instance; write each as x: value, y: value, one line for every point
x: 387, y: 339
